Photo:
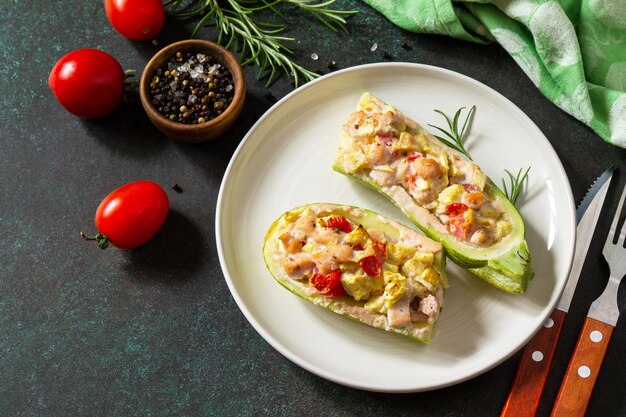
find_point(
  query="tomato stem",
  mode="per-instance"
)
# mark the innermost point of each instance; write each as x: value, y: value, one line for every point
x: 130, y: 84
x: 129, y: 73
x: 103, y: 240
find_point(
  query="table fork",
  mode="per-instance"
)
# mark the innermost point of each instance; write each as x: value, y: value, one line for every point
x: 588, y: 355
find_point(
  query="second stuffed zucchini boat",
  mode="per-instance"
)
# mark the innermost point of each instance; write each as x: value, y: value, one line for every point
x: 446, y: 195
x: 361, y: 265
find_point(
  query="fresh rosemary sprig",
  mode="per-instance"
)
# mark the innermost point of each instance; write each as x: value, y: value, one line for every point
x: 455, y: 136
x: 455, y: 141
x: 257, y: 41
x: 517, y: 184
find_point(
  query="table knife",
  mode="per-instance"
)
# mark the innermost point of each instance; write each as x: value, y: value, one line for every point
x: 586, y: 361
x: 537, y: 356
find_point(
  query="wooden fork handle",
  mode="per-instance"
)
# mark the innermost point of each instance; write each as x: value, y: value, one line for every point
x: 533, y: 369
x: 583, y: 369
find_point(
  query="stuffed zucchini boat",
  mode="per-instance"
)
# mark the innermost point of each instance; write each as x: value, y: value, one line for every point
x: 359, y: 264
x: 443, y: 193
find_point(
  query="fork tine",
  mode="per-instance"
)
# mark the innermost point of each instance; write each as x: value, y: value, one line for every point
x: 622, y: 236
x: 618, y: 212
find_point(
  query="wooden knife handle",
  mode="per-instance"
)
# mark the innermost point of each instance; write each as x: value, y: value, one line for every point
x: 533, y: 369
x: 583, y: 369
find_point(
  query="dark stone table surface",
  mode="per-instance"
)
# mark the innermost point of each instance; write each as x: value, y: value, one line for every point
x: 155, y: 331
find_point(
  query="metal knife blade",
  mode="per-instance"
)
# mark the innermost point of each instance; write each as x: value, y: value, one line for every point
x: 592, y: 192
x: 587, y: 214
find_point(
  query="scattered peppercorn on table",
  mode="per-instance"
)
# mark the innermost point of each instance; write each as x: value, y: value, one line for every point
x: 155, y: 330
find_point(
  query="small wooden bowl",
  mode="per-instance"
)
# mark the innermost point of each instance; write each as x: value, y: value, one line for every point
x: 201, y: 132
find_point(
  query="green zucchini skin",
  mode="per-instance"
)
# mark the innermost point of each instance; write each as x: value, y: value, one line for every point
x: 505, y: 264
x: 346, y: 305
x: 509, y: 270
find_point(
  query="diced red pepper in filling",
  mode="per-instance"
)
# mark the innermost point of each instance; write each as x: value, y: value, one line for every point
x: 340, y: 223
x: 380, y: 249
x: 372, y: 265
x: 456, y: 209
x: 328, y: 284
x: 412, y: 156
x: 358, y: 246
x: 459, y: 226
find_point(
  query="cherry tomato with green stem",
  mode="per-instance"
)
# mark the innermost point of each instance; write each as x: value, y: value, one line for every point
x: 138, y: 20
x: 131, y: 215
x: 87, y: 82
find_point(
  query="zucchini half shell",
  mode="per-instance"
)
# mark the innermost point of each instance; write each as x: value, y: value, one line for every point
x: 345, y: 305
x: 505, y: 264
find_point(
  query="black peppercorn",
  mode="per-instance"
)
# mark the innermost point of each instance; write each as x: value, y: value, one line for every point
x: 191, y: 88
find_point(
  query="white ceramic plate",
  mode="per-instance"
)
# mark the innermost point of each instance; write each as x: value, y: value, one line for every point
x: 285, y: 161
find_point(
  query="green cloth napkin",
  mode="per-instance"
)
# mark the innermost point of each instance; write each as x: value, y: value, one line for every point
x: 574, y: 51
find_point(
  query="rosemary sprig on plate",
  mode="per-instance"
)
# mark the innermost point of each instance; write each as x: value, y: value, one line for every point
x: 257, y: 41
x: 454, y: 139
x: 516, y: 182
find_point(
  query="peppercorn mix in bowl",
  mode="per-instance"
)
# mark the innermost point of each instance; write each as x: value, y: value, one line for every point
x: 193, y: 90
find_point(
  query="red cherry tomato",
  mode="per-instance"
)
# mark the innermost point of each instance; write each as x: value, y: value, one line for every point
x: 87, y: 82
x: 340, y: 223
x: 328, y: 284
x: 129, y: 216
x: 137, y: 20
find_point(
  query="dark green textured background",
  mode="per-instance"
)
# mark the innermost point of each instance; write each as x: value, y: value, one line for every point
x: 155, y: 331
